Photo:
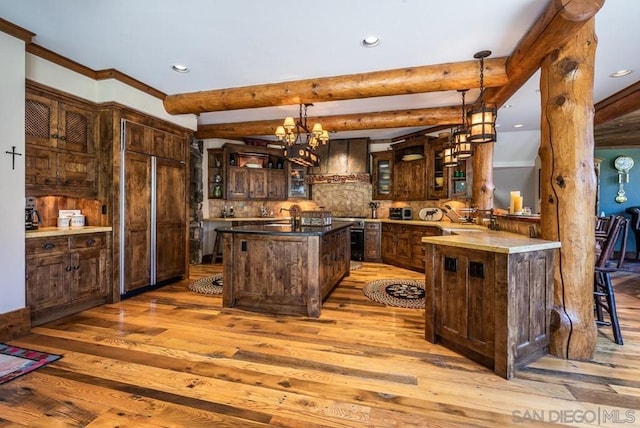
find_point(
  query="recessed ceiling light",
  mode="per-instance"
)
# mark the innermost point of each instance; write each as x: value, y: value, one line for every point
x: 179, y: 68
x: 370, y: 41
x: 621, y: 73
x: 507, y: 106
x: 518, y: 125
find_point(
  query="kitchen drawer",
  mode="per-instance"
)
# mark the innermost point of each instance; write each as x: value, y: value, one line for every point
x: 50, y: 245
x: 97, y: 240
x: 372, y: 226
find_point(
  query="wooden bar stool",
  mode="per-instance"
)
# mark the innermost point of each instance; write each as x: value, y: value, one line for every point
x: 604, y: 299
x: 217, y: 248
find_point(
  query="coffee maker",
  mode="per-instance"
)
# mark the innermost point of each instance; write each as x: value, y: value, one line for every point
x: 31, y: 216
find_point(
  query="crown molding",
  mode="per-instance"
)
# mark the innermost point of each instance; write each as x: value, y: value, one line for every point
x: 110, y: 73
x: 16, y: 31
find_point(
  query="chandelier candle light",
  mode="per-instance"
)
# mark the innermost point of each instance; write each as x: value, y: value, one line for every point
x: 300, y: 141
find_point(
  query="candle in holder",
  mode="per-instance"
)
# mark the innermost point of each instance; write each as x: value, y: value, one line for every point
x: 517, y: 205
x: 512, y: 201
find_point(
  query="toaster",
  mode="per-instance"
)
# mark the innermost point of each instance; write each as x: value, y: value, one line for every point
x: 404, y: 213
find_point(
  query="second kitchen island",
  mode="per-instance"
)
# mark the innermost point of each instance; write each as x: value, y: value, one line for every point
x: 281, y: 269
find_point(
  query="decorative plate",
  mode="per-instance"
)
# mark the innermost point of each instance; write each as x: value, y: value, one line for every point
x: 430, y: 214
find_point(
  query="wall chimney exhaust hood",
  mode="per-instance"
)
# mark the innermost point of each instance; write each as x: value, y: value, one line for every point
x: 342, y: 161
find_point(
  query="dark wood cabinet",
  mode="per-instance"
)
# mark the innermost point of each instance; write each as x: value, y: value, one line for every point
x: 493, y: 308
x: 467, y: 307
x: 252, y: 173
x: 287, y: 273
x: 409, y: 180
x: 66, y: 275
x: 276, y: 184
x: 402, y: 244
x: 410, y: 169
x: 60, y: 136
x: 247, y: 183
x: 372, y: 242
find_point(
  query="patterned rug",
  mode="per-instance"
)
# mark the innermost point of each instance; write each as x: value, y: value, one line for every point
x: 208, y: 285
x: 403, y: 293
x: 15, y: 362
x: 355, y: 265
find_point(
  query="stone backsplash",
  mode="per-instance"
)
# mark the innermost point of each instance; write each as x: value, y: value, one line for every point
x: 343, y: 200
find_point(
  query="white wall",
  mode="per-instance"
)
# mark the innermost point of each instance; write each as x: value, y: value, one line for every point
x: 12, y: 235
x: 55, y: 76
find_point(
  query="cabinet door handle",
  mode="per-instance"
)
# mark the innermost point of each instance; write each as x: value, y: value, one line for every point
x: 76, y: 267
x: 54, y: 135
x: 63, y: 138
x: 90, y: 241
x: 48, y: 246
x: 68, y: 268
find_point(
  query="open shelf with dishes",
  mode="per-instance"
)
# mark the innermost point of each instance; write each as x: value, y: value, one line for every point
x: 216, y: 165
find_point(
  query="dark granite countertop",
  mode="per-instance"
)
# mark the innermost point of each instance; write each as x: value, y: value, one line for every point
x: 280, y: 229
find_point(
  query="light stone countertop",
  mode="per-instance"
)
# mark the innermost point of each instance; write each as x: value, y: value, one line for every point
x: 493, y: 241
x: 64, y: 231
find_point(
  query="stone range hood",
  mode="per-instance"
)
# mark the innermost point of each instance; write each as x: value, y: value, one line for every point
x: 342, y: 161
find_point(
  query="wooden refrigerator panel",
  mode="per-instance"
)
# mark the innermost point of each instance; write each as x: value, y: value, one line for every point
x: 170, y: 219
x: 137, y: 219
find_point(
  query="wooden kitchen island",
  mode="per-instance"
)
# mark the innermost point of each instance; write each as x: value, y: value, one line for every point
x: 489, y: 296
x: 280, y: 269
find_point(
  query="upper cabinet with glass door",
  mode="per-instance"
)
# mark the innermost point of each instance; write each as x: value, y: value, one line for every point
x: 298, y: 189
x: 382, y: 168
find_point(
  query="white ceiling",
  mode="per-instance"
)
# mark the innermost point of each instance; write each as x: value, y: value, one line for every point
x: 246, y: 42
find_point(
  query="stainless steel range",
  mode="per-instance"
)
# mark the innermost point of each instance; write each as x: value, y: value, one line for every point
x: 357, y: 236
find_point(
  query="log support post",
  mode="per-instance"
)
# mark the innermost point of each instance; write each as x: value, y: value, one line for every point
x: 482, y: 186
x: 568, y: 189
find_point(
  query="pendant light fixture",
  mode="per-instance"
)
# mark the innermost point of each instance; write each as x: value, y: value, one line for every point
x: 449, y: 159
x: 460, y: 137
x: 299, y: 140
x: 482, y: 116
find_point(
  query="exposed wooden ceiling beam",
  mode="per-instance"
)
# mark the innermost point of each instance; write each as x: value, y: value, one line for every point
x: 403, y: 81
x: 348, y: 122
x: 618, y: 104
x: 560, y: 19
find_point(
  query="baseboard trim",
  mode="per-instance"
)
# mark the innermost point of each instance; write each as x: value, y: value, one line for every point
x: 15, y: 324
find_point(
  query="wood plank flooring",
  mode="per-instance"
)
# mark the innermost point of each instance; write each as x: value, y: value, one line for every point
x: 175, y: 358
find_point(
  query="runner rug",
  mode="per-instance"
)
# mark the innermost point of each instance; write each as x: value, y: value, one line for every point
x: 403, y: 293
x: 15, y: 362
x: 207, y: 285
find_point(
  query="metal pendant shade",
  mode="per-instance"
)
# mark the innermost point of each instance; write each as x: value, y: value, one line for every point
x: 481, y: 117
x: 460, y: 136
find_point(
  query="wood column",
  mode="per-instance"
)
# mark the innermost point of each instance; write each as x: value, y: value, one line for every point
x: 568, y: 189
x: 482, y: 187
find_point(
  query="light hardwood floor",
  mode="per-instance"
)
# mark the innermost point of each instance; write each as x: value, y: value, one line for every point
x: 172, y: 357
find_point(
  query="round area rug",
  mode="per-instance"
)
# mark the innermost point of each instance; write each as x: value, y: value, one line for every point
x: 355, y: 265
x: 208, y: 285
x: 403, y: 293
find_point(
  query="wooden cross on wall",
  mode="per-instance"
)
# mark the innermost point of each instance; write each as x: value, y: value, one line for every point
x: 13, y: 153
